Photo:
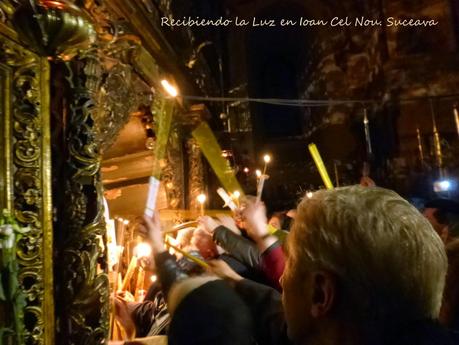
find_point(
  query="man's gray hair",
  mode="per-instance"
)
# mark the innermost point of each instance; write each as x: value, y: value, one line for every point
x: 388, y: 259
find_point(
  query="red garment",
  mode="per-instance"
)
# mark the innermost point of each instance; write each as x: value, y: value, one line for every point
x: 273, y: 264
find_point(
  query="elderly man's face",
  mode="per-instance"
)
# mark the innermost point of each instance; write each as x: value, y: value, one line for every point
x: 203, y: 241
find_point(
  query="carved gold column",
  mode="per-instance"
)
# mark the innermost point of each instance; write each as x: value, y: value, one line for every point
x: 173, y: 174
x: 196, y: 182
x: 25, y: 182
x: 195, y: 173
x: 82, y: 283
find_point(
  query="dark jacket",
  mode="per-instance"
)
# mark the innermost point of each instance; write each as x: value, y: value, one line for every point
x: 242, y: 249
x: 209, y: 315
x: 449, y: 312
x: 270, y: 327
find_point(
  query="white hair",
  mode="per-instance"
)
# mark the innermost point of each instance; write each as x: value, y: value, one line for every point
x: 388, y: 259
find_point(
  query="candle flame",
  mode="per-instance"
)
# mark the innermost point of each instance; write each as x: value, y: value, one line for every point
x: 201, y: 198
x: 142, y: 250
x: 170, y: 89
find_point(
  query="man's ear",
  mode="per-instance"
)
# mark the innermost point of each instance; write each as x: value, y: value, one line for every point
x: 324, y: 293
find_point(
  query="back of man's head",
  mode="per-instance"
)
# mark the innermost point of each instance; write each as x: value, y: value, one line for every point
x: 389, y: 263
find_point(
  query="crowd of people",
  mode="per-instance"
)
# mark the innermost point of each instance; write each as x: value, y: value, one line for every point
x: 357, y: 265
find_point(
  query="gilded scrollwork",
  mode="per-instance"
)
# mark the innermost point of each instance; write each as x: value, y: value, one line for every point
x: 27, y: 164
x: 195, y: 173
x: 172, y: 173
x: 82, y: 290
x: 120, y: 94
x: 7, y: 8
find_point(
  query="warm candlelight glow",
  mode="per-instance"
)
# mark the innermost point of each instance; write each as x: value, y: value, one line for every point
x: 267, y: 159
x: 258, y: 173
x: 237, y: 194
x: 170, y: 89
x: 246, y: 170
x: 154, y: 278
x: 201, y: 198
x: 142, y: 250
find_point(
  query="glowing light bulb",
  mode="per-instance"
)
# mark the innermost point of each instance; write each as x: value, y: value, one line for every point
x: 237, y: 194
x: 154, y: 278
x: 246, y: 170
x: 267, y: 158
x: 258, y: 173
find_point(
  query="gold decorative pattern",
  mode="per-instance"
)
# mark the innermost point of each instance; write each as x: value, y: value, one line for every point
x: 26, y: 178
x: 172, y: 174
x: 83, y: 288
x: 196, y: 173
x: 7, y: 8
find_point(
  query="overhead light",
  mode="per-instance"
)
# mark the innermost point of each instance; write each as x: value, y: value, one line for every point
x: 170, y: 89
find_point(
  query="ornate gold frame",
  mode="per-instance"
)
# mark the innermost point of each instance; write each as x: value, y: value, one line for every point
x: 26, y: 177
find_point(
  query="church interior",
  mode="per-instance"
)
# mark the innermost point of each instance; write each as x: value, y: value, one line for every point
x: 102, y: 107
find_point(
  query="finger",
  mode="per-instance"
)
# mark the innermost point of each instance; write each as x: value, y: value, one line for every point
x: 148, y: 221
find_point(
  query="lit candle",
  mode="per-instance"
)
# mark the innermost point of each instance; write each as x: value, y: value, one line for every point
x: 236, y: 196
x: 142, y: 250
x: 260, y: 185
x: 366, y: 126
x: 202, y: 199
x: 139, y: 285
x: 420, y: 148
x: 267, y: 159
x: 226, y: 198
x: 129, y: 273
x: 456, y: 118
